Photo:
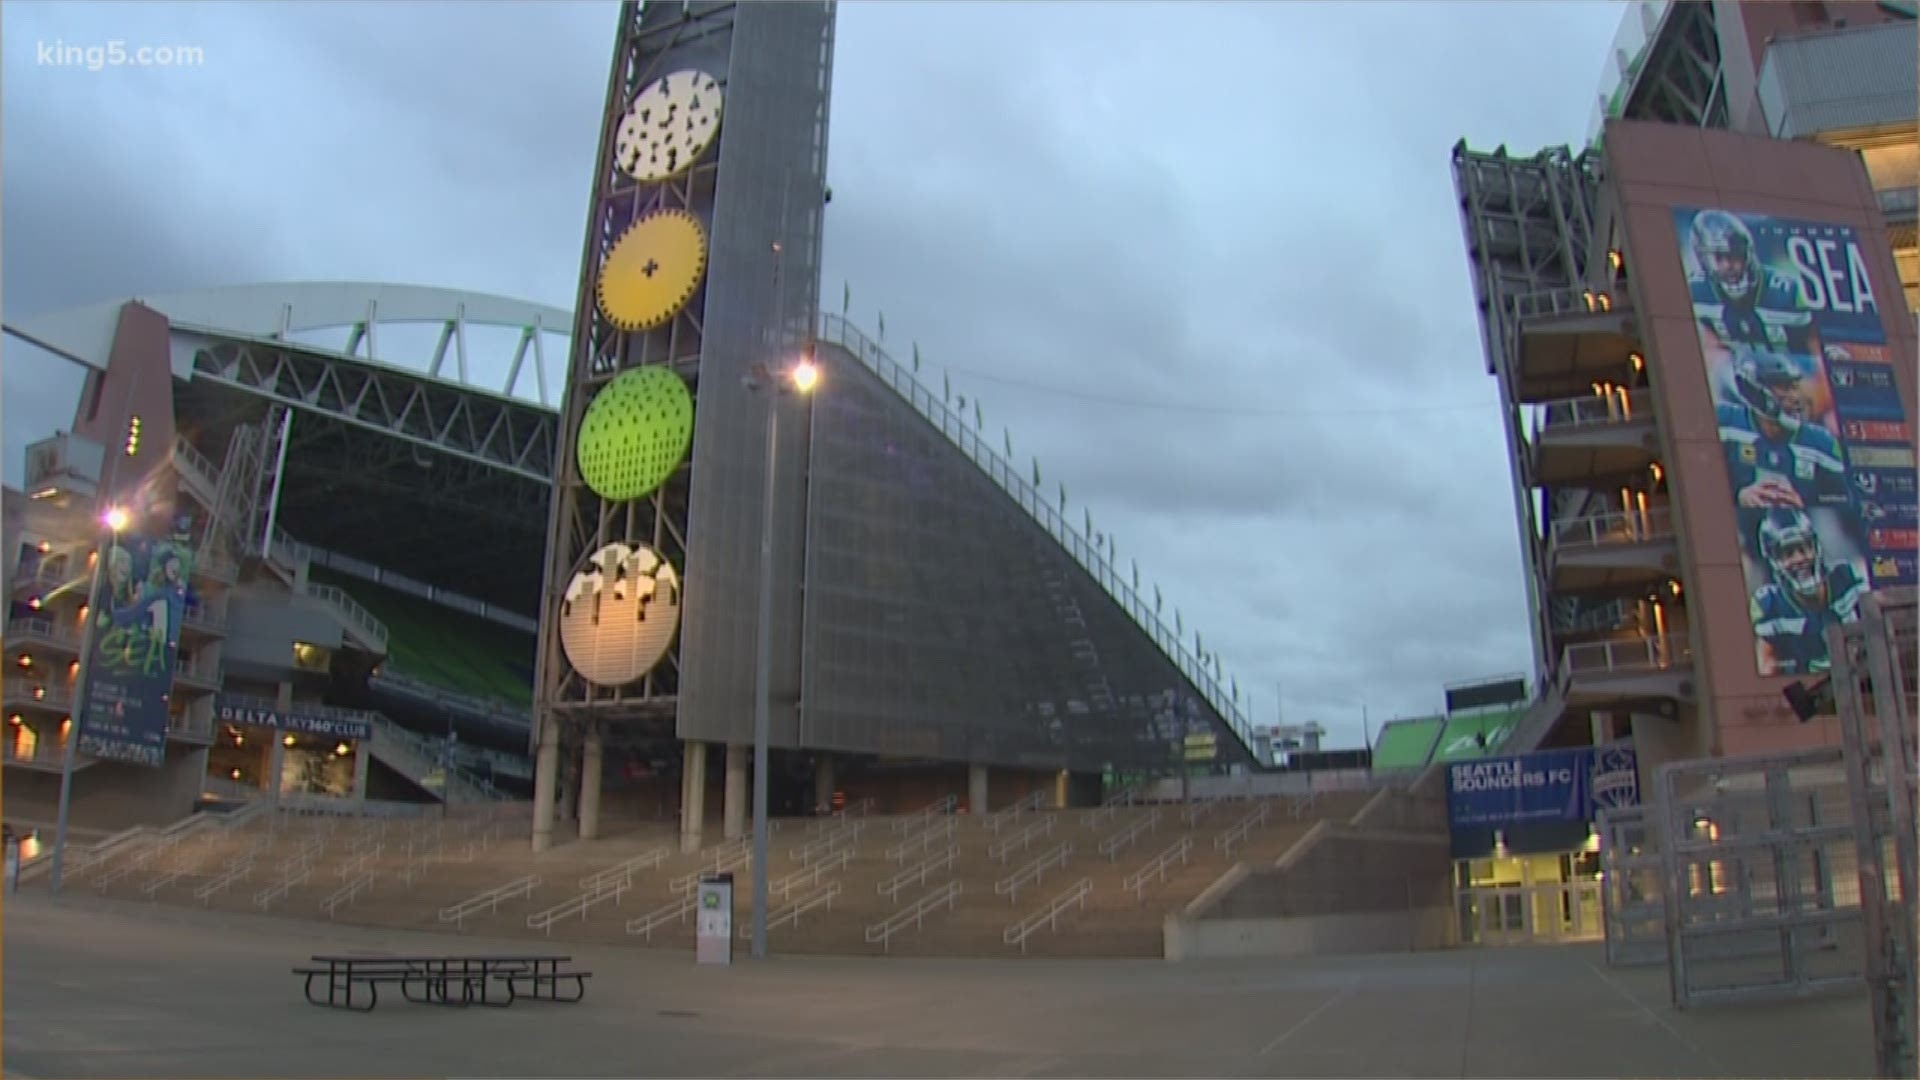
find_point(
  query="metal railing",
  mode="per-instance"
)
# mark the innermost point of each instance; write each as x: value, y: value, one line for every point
x: 194, y: 467
x: 488, y: 901
x: 1563, y: 301
x: 1000, y: 819
x: 197, y: 670
x: 1625, y: 657
x: 675, y: 912
x: 1021, y: 840
x: 1238, y: 833
x: 837, y: 329
x: 921, y: 817
x: 238, y: 872
x: 625, y: 871
x: 812, y: 875
x: 1156, y: 868
x: 1616, y: 527
x: 265, y: 897
x: 1898, y: 200
x: 346, y: 894
x: 46, y: 753
x: 1113, y: 845
x: 915, y: 875
x: 735, y: 858
x: 1111, y: 806
x: 914, y: 914
x: 1592, y: 410
x: 43, y: 630
x: 359, y: 617
x: 20, y: 691
x: 198, y: 617
x: 831, y: 842
x: 790, y: 915
x: 1030, y: 874
x: 595, y: 895
x: 1049, y: 915
x: 921, y: 841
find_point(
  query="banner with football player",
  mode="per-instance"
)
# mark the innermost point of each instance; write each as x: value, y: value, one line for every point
x: 1816, y: 437
x: 137, y: 610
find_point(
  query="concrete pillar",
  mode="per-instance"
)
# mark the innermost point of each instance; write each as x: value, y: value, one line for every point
x: 546, y: 778
x: 277, y: 750
x: 734, y: 820
x: 1060, y: 790
x: 977, y: 790
x: 693, y: 797
x: 823, y: 785
x: 1600, y: 727
x: 362, y: 761
x: 590, y: 768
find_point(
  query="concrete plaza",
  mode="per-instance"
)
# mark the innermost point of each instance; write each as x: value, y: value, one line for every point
x: 102, y: 988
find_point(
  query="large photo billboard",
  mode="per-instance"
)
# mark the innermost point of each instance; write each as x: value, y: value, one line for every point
x: 1816, y: 438
x: 137, y: 609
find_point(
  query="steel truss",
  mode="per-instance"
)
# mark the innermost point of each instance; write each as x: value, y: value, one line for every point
x: 1680, y: 81
x: 488, y: 429
x: 1874, y: 682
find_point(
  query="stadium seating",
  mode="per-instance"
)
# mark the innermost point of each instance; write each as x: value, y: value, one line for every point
x: 1476, y: 734
x: 444, y: 647
x: 1407, y: 744
x: 417, y: 873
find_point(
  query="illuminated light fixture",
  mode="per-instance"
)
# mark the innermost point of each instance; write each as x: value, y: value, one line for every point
x: 1639, y: 362
x: 1587, y: 295
x: 39, y: 693
x: 288, y: 741
x: 669, y: 125
x: 343, y: 750
x: 239, y: 740
x: 133, y: 435
x: 115, y: 518
x: 635, y: 433
x: 45, y: 547
x: 15, y: 720
x: 652, y: 270
x: 25, y: 661
x: 235, y: 774
x: 806, y: 376
x: 33, y: 603
x: 46, y: 493
x: 73, y: 668
x: 619, y: 614
x: 1658, y: 472
x: 1674, y: 587
x: 1616, y: 260
x: 83, y: 612
x: 66, y: 723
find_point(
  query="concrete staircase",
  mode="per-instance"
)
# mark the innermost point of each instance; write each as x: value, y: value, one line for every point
x: 304, y: 868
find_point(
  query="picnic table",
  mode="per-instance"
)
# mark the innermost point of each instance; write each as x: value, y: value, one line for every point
x: 452, y: 981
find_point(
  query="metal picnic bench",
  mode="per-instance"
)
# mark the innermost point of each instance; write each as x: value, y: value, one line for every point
x: 454, y: 981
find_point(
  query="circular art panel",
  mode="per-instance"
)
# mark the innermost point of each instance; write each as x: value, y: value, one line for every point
x: 635, y: 432
x: 652, y: 270
x: 619, y: 614
x: 669, y: 125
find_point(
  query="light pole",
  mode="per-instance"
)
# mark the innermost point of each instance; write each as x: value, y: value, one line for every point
x: 115, y: 519
x: 801, y: 378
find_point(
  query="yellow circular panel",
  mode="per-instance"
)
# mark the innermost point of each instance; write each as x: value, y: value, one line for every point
x: 652, y: 270
x: 668, y: 126
x: 619, y: 614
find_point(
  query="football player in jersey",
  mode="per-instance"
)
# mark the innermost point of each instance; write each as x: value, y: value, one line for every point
x: 1737, y: 297
x: 1804, y: 595
x: 1776, y: 455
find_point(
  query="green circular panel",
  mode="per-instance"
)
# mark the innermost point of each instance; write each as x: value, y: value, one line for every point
x: 635, y: 433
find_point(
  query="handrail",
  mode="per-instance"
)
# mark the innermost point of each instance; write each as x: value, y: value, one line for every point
x: 921, y: 841
x: 882, y: 932
x: 1616, y: 406
x: 792, y: 912
x: 1156, y: 868
x: 360, y: 617
x: 240, y: 870
x: 1031, y: 873
x: 51, y: 697
x: 153, y: 886
x: 812, y: 874
x: 921, y: 817
x: 1613, y: 527
x: 1113, y: 845
x: 346, y: 894
x: 1020, y: 840
x: 999, y: 819
x: 490, y: 900
x: 836, y: 329
x: 140, y: 861
x: 918, y: 873
x: 1201, y: 808
x: 654, y: 920
x: 595, y: 895
x: 41, y: 628
x: 1048, y: 916
x: 1301, y: 804
x: 734, y: 860
x: 1111, y: 805
x: 1656, y: 653
x: 626, y: 870
x: 1240, y: 830
x: 265, y: 897
x: 1569, y: 300
x: 831, y: 842
x: 357, y: 862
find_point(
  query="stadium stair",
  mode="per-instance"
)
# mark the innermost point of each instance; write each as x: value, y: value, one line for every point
x: 423, y: 761
x: 406, y: 873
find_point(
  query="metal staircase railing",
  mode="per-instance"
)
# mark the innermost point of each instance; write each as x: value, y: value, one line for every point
x: 837, y: 330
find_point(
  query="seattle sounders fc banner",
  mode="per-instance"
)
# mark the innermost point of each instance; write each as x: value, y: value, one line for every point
x: 1815, y: 434
x: 136, y: 611
x: 1549, y: 786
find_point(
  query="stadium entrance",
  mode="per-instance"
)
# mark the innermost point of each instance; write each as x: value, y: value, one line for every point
x: 261, y: 749
x: 1526, y: 857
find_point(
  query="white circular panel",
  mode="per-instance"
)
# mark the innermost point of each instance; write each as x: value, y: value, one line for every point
x: 668, y: 126
x: 619, y: 614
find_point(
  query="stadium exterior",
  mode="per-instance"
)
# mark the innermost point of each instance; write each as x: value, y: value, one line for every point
x: 1701, y: 331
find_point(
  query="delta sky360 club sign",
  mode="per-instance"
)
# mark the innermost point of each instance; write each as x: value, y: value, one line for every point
x: 622, y: 605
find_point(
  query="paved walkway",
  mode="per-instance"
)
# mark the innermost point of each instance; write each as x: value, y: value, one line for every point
x: 97, y: 988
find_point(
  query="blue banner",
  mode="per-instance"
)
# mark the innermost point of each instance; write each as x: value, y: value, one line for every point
x: 1815, y: 433
x: 138, y: 602
x: 1549, y: 786
x: 228, y: 711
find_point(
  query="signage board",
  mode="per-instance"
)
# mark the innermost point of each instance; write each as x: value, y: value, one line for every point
x: 713, y: 920
x: 228, y: 711
x: 1547, y: 786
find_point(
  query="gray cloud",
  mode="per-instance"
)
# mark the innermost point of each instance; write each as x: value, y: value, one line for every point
x: 1242, y: 212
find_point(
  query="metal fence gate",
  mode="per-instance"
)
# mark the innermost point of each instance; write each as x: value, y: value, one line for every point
x: 1758, y: 867
x: 1874, y: 684
x: 1631, y: 894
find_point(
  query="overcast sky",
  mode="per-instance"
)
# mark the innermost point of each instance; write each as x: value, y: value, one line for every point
x: 1204, y: 260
